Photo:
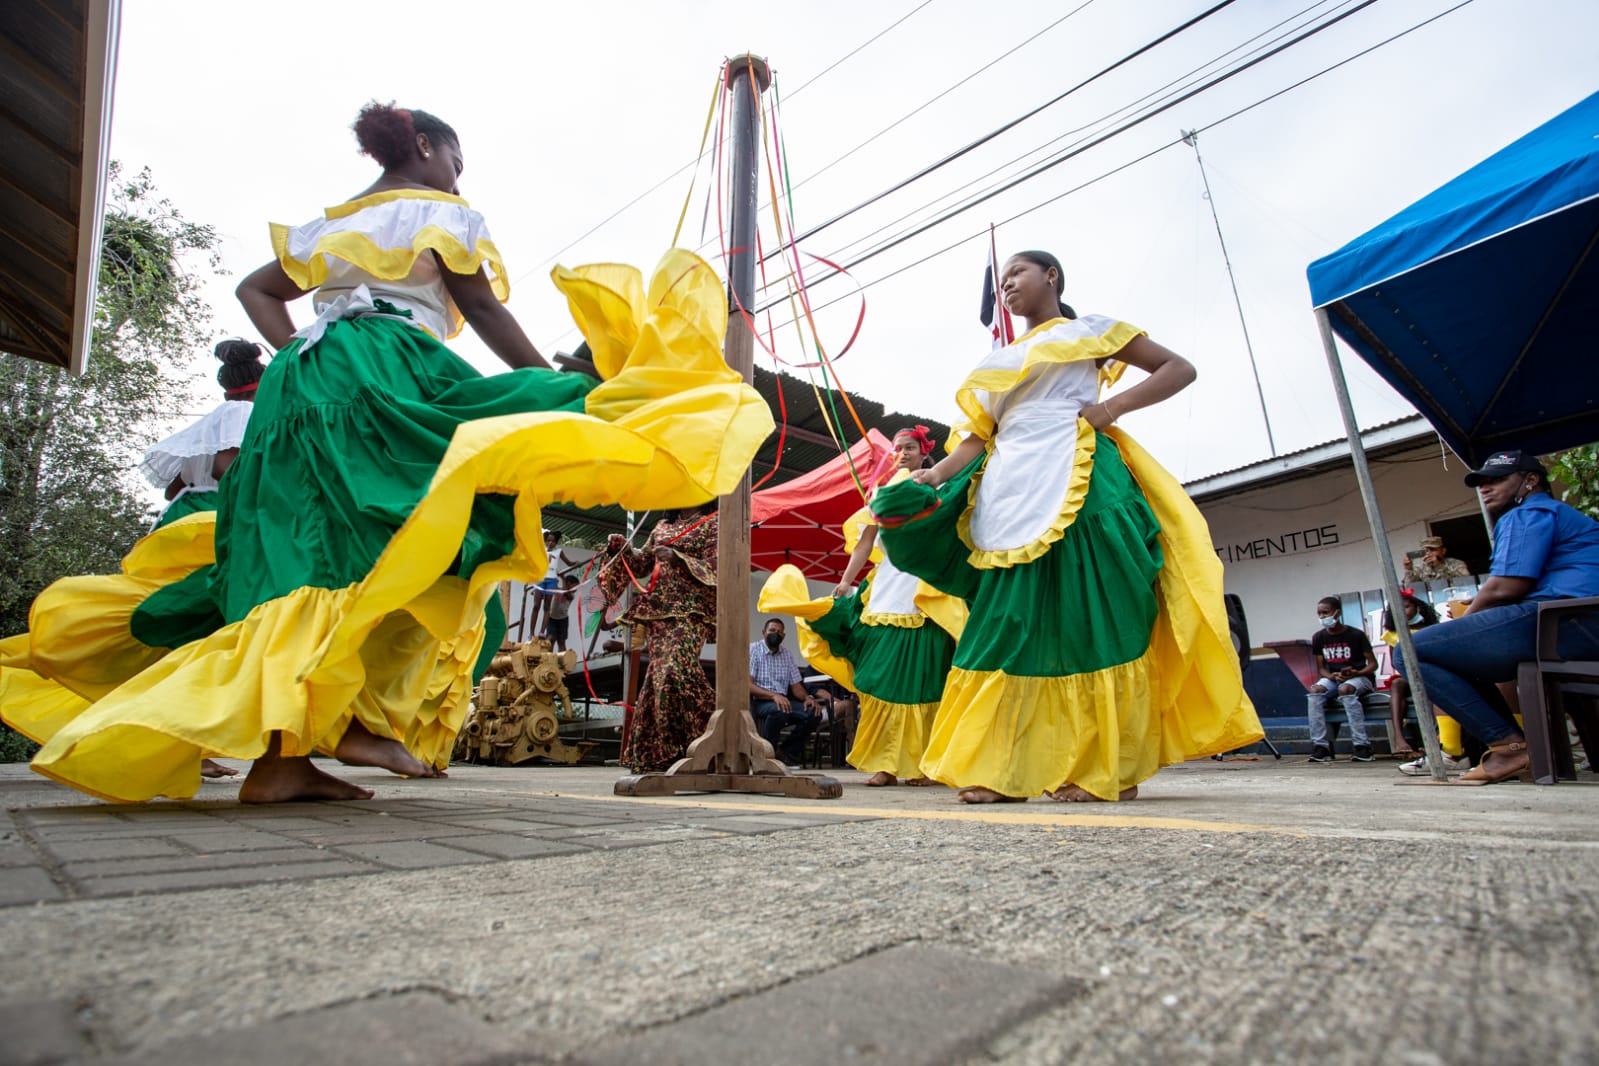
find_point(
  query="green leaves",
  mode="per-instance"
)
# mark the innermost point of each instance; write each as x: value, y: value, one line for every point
x: 70, y: 500
x: 1577, y: 472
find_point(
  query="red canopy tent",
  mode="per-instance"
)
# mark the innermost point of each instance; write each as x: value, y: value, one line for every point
x: 799, y: 521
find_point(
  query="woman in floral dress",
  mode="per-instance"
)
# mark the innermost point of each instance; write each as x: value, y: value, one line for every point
x: 673, y: 580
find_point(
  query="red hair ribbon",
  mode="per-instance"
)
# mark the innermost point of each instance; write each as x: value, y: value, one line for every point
x: 921, y: 435
x: 242, y: 393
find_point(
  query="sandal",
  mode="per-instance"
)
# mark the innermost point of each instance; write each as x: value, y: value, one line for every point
x: 1483, y: 775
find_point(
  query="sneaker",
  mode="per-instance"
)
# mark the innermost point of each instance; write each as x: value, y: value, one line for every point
x: 1419, y: 768
x: 1362, y: 753
x: 1320, y: 754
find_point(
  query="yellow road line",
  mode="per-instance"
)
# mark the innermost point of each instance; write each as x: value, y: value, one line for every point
x: 980, y: 813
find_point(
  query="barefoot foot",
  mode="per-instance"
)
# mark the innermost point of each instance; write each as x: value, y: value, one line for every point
x: 274, y: 779
x: 212, y: 768
x: 979, y: 794
x: 360, y: 748
x: 1078, y: 794
x: 920, y: 782
x: 881, y: 779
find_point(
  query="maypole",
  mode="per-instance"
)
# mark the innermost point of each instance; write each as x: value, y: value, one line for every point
x: 731, y: 756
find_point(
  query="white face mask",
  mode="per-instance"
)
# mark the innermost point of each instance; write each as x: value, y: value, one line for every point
x: 1329, y: 621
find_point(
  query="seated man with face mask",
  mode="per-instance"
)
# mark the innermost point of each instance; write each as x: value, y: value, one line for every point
x: 1543, y: 550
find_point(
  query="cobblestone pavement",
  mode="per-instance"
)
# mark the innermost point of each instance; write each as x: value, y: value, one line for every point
x: 1238, y: 912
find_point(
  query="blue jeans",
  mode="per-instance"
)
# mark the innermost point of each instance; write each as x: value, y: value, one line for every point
x: 1462, y: 661
x: 773, y: 721
x: 1327, y: 689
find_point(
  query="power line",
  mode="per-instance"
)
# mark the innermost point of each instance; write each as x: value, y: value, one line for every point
x: 859, y: 48
x: 1076, y: 151
x: 1098, y: 122
x: 983, y: 233
x: 1013, y: 123
x: 674, y: 175
x: 930, y: 101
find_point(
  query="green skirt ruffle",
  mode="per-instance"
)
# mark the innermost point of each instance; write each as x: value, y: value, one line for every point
x: 1087, y: 603
x: 342, y: 444
x: 894, y: 664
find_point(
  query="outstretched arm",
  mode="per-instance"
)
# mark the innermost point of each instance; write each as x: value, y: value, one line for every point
x: 953, y: 463
x: 490, y: 320
x: 857, y: 561
x: 266, y: 294
x: 1169, y: 374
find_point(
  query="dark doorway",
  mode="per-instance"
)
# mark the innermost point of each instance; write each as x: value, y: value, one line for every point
x: 1466, y: 538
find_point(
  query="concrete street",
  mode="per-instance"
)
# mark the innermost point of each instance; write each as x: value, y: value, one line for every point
x: 1239, y: 911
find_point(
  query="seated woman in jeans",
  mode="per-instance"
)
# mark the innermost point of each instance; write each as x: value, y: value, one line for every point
x: 1543, y: 550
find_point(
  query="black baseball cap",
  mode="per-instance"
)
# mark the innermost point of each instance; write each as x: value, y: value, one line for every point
x: 1501, y: 463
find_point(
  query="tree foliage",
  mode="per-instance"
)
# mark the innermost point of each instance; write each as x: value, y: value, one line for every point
x: 70, y: 500
x: 1577, y: 471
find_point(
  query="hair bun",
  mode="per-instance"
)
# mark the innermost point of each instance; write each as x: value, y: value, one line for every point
x: 237, y: 350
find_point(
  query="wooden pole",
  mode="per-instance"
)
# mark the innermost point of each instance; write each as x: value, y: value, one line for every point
x: 731, y: 756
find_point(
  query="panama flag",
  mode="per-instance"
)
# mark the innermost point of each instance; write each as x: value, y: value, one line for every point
x: 994, y: 315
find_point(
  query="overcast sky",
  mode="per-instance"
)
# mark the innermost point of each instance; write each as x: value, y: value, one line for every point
x: 566, y: 113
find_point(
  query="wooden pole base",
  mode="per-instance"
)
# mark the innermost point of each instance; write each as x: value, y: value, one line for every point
x: 730, y: 756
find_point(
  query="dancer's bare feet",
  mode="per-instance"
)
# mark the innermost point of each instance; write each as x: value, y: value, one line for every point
x: 920, y: 782
x: 360, y: 748
x: 1078, y: 794
x: 212, y: 768
x: 881, y: 779
x: 979, y: 794
x: 274, y: 779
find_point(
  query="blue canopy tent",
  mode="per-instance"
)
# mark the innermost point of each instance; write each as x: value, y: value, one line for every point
x: 1479, y: 303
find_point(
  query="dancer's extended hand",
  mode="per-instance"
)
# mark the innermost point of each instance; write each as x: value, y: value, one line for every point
x: 841, y: 590
x: 925, y: 477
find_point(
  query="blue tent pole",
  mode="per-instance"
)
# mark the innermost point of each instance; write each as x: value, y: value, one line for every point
x: 1385, y: 554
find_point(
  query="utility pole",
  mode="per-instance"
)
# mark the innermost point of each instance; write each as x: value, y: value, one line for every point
x: 1191, y: 139
x: 730, y: 756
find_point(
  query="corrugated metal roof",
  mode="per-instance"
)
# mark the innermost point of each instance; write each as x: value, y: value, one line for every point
x: 1380, y: 439
x: 57, y: 58
x: 806, y: 447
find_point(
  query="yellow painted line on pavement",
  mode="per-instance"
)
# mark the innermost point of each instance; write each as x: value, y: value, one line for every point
x: 981, y: 813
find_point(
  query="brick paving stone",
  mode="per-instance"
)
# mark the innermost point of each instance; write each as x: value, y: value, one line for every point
x: 69, y: 815
x: 498, y: 824
x: 908, y: 1006
x: 374, y: 831
x: 26, y: 884
x: 16, y: 854
x: 229, y: 838
x: 414, y: 1029
x: 123, y: 847
x: 412, y: 854
x: 186, y: 861
x: 41, y: 1032
x: 222, y: 877
x: 281, y: 823
x: 505, y: 846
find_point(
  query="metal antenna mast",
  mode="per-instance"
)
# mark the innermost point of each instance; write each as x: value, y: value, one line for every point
x: 1191, y: 139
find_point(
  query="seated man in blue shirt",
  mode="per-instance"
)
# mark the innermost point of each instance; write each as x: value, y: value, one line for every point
x: 775, y: 687
x: 1543, y: 550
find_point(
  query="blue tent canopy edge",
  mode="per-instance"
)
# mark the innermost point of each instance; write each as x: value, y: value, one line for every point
x: 1479, y: 303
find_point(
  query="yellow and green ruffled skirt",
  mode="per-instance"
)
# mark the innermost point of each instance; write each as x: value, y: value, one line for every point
x: 383, y: 490
x: 1094, y: 662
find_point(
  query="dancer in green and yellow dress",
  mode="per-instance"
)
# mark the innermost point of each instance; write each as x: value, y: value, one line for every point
x: 337, y: 600
x: 1097, y: 647
x: 891, y: 642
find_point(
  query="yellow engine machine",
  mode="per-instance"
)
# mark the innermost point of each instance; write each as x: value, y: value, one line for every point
x: 518, y: 708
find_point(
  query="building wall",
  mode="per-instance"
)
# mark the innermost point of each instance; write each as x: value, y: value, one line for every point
x: 1285, y: 546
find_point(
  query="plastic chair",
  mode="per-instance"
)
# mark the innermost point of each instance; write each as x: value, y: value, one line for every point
x: 1550, y: 687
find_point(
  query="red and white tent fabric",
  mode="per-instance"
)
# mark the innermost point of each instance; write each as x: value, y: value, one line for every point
x: 800, y: 521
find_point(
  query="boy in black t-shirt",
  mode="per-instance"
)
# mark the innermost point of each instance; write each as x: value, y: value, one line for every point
x: 1346, y: 664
